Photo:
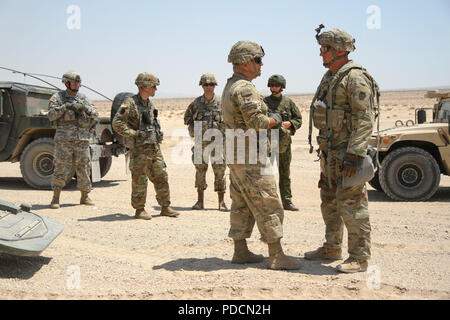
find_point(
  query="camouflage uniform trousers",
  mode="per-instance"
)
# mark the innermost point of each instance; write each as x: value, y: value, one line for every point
x: 284, y: 170
x: 146, y: 161
x: 254, y: 198
x: 347, y: 206
x: 66, y: 154
x: 201, y: 169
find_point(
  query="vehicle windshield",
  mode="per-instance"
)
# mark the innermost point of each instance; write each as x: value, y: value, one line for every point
x: 444, y: 111
x: 36, y: 102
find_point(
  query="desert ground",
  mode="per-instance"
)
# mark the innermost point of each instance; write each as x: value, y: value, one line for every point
x: 105, y: 253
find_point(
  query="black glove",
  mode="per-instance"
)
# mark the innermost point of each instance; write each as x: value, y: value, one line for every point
x: 350, y: 165
x: 277, y: 118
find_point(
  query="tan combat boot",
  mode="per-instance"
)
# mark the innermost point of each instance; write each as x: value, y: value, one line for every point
x: 85, y: 199
x: 324, y: 254
x: 169, y: 212
x: 222, y: 205
x: 142, y: 214
x: 289, y: 207
x: 242, y: 255
x: 199, y: 204
x: 55, y: 200
x: 352, y: 265
x: 278, y: 260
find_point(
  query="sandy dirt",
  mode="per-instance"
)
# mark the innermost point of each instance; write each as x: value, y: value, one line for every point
x: 105, y: 253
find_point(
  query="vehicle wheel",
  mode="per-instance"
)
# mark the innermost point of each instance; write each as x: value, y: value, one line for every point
x: 409, y: 174
x: 36, y: 164
x: 375, y: 182
x: 105, y: 165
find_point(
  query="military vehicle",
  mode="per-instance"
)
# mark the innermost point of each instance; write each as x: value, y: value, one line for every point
x: 24, y: 233
x: 413, y: 155
x: 26, y: 135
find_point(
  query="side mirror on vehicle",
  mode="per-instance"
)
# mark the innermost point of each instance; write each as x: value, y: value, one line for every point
x: 421, y: 116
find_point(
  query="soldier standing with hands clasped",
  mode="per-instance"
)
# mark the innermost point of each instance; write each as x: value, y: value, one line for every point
x: 137, y: 121
x: 292, y: 121
x: 343, y: 112
x: 72, y: 115
x: 207, y: 110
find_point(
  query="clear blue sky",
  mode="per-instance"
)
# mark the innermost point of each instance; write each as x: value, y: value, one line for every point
x: 179, y: 40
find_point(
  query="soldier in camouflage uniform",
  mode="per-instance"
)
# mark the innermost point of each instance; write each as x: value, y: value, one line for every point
x: 137, y: 121
x: 253, y: 191
x: 207, y: 110
x: 72, y: 115
x: 292, y: 121
x: 343, y: 112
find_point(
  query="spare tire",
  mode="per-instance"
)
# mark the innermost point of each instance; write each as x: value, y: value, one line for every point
x: 117, y: 102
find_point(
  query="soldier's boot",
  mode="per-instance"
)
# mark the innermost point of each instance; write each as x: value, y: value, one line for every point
x: 290, y: 207
x: 242, y: 255
x: 222, y: 205
x: 352, y: 265
x: 279, y: 261
x: 142, y: 214
x: 199, y: 204
x: 85, y: 199
x: 324, y: 253
x: 169, y: 212
x: 55, y: 200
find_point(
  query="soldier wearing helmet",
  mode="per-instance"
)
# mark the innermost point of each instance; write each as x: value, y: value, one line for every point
x: 252, y: 190
x: 72, y: 114
x: 292, y: 121
x: 343, y: 111
x: 137, y: 120
x: 207, y: 112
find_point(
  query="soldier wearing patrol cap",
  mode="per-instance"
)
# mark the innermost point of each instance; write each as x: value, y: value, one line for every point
x: 137, y: 120
x: 292, y: 121
x: 253, y: 191
x: 72, y: 114
x: 207, y: 110
x: 343, y: 110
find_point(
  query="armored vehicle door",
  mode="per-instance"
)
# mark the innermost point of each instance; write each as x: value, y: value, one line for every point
x: 6, y: 118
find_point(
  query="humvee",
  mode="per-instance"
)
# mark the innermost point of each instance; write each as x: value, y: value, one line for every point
x: 413, y: 156
x: 26, y: 135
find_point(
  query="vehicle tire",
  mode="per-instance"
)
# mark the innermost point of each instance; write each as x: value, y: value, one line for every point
x: 36, y: 164
x: 409, y: 174
x: 375, y: 182
x: 105, y: 165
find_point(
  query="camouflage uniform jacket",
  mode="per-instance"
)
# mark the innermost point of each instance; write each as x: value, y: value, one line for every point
x: 351, y: 116
x: 69, y: 125
x: 207, y: 111
x: 243, y: 107
x: 128, y: 119
x: 287, y: 109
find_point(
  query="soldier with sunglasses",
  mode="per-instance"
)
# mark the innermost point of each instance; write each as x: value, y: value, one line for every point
x: 253, y: 187
x: 206, y: 111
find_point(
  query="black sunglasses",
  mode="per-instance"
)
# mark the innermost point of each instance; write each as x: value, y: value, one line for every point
x: 209, y: 85
x: 258, y: 60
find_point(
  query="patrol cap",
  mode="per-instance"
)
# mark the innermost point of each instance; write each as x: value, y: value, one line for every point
x: 277, y: 80
x: 207, y: 78
x: 146, y: 80
x: 244, y: 52
x: 338, y: 39
x: 71, y: 76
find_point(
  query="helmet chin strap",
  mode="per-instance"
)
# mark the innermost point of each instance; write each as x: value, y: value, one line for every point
x: 70, y: 87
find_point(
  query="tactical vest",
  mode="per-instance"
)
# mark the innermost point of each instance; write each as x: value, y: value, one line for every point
x: 70, y: 118
x: 319, y: 114
x: 211, y: 114
x: 148, y: 122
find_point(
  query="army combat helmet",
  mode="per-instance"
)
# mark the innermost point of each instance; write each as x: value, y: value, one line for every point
x: 71, y: 76
x: 277, y: 80
x: 245, y: 51
x: 146, y: 80
x: 337, y: 39
x: 207, y: 78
